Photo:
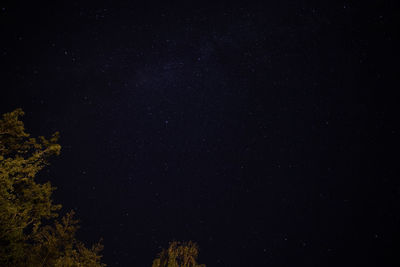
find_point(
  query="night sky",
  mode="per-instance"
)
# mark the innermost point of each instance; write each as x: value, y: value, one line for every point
x: 261, y: 132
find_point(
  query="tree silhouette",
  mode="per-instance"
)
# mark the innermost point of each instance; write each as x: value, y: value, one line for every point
x: 30, y: 235
x: 179, y: 254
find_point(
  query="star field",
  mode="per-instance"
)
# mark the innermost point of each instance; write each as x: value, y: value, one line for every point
x: 252, y: 130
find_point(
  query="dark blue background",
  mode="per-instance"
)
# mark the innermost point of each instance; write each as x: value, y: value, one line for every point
x: 262, y: 132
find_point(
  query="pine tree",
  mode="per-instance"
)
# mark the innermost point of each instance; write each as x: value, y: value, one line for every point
x: 30, y: 235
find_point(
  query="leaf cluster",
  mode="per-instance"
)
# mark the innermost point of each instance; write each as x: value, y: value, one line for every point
x: 178, y: 254
x: 30, y: 235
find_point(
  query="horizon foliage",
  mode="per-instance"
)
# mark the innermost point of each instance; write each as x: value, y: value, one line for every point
x: 30, y: 234
x: 178, y: 254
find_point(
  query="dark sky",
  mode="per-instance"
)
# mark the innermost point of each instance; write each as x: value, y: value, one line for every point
x: 262, y: 132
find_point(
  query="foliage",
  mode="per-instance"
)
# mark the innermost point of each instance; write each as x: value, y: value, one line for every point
x: 179, y: 254
x: 29, y: 233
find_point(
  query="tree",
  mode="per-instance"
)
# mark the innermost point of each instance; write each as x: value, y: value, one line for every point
x: 30, y: 235
x: 179, y: 254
